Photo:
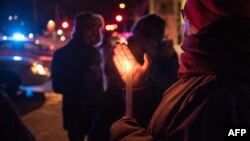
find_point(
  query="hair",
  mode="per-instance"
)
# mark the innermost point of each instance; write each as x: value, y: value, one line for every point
x: 86, y: 20
x: 151, y: 26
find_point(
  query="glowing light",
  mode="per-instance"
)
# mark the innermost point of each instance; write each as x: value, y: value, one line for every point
x: 31, y: 35
x: 37, y: 42
x: 29, y: 92
x: 118, y: 18
x: 17, y: 58
x: 52, y: 47
x: 129, y: 91
x: 10, y: 18
x: 111, y: 27
x: 65, y: 24
x: 39, y: 69
x: 18, y: 36
x: 4, y: 37
x: 122, y: 5
x: 51, y: 25
x: 62, y: 38
x: 15, y: 17
x: 59, y: 32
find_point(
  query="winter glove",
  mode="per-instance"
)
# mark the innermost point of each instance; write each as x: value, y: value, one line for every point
x: 127, y: 129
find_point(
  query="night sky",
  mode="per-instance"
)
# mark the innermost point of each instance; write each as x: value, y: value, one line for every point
x: 46, y: 9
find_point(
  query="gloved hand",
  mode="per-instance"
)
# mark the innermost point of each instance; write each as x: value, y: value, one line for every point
x: 127, y: 129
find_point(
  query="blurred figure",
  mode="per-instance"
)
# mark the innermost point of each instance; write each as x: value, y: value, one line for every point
x: 214, y: 86
x: 147, y: 37
x: 113, y: 105
x: 11, y: 125
x: 76, y: 73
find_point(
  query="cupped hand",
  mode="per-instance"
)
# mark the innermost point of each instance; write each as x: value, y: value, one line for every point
x: 122, y: 56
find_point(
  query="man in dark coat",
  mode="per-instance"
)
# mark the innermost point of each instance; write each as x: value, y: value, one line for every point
x: 11, y: 125
x: 76, y: 73
x: 214, y: 86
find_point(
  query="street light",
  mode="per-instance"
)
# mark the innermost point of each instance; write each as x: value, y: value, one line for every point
x: 51, y: 25
x: 65, y: 24
x: 59, y: 32
x: 118, y: 18
x: 111, y: 27
x: 122, y: 5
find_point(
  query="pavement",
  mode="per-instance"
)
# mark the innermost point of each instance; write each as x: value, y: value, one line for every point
x: 42, y: 115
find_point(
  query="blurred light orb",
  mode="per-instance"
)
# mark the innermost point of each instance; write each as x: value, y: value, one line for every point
x: 65, y: 25
x: 10, y: 18
x: 37, y: 42
x: 122, y: 5
x: 18, y: 36
x: 4, y: 37
x: 62, y: 38
x: 51, y: 25
x: 31, y: 35
x: 59, y: 32
x: 17, y: 58
x: 118, y: 18
x: 111, y: 27
x: 15, y: 17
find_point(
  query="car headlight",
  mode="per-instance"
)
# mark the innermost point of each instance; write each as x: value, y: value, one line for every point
x: 39, y: 69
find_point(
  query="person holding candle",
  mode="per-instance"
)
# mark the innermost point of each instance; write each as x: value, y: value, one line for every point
x: 147, y: 37
x: 213, y: 90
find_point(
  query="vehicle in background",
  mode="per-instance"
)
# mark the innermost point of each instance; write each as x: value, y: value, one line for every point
x: 24, y: 64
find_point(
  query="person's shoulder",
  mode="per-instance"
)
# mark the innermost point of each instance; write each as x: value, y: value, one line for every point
x: 61, y: 50
x: 194, y: 82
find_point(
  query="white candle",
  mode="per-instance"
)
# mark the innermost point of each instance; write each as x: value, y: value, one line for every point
x: 129, y: 86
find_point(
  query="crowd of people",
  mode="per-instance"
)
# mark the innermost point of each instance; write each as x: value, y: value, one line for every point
x: 187, y: 98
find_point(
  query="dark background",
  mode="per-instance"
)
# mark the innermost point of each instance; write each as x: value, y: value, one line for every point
x: 34, y: 14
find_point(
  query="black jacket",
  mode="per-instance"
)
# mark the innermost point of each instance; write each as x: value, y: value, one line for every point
x: 76, y: 73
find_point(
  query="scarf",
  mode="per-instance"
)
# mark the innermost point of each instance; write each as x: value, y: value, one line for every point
x: 222, y: 49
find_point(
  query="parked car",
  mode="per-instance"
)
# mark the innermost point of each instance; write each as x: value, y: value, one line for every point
x: 23, y: 63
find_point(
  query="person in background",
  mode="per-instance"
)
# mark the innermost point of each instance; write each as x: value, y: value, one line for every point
x: 147, y: 37
x: 113, y: 105
x: 213, y: 90
x: 11, y: 125
x: 77, y: 74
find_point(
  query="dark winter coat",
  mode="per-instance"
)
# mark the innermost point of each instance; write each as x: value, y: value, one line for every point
x: 76, y: 73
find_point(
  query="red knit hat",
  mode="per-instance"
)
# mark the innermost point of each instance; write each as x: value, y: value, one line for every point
x: 202, y: 13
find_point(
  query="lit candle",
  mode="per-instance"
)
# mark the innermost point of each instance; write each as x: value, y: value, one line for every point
x: 129, y: 85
